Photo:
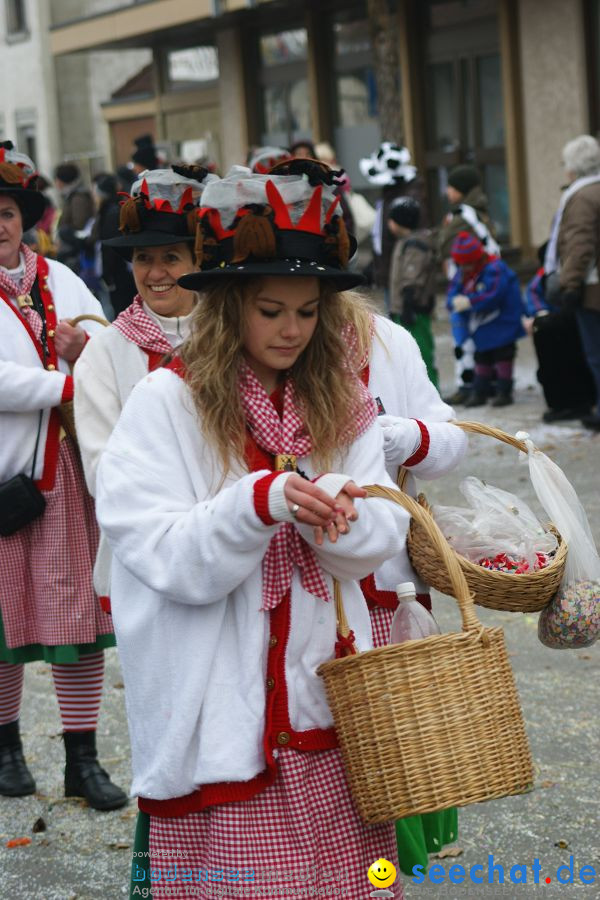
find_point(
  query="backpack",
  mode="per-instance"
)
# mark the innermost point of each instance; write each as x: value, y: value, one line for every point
x: 418, y: 271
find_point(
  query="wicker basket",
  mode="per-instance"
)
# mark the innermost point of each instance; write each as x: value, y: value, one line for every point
x: 433, y: 723
x: 66, y: 410
x: 530, y: 592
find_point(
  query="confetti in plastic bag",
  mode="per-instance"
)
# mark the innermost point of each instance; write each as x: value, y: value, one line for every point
x: 572, y: 618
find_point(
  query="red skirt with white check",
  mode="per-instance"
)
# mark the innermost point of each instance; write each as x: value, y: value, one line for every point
x: 301, y: 832
x: 46, y: 591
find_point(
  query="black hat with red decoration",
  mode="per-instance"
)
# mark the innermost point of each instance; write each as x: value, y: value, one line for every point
x: 285, y: 223
x: 18, y: 179
x: 161, y: 209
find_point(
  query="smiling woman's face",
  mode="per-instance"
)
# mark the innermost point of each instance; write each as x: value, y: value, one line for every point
x: 11, y: 231
x: 155, y: 272
x: 280, y: 320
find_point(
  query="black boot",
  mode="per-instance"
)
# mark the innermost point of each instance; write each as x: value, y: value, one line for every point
x: 504, y: 395
x: 83, y: 775
x: 15, y: 778
x: 480, y: 393
x: 459, y: 397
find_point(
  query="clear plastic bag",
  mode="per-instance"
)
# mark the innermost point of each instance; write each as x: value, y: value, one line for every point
x: 497, y: 522
x: 572, y: 618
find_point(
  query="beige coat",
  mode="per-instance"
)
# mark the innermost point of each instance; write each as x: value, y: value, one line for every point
x: 579, y: 245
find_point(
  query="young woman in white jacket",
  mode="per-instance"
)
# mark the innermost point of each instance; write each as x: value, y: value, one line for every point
x: 226, y: 538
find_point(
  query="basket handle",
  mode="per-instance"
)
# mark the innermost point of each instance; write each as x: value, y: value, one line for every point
x: 490, y: 431
x: 91, y: 317
x: 470, y: 622
x: 462, y: 594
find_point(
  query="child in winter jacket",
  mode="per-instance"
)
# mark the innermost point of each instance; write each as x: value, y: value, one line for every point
x: 412, y: 277
x: 484, y: 299
x: 468, y: 211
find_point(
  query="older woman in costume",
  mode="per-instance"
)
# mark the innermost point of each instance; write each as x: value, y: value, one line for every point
x: 158, y: 227
x: 48, y: 533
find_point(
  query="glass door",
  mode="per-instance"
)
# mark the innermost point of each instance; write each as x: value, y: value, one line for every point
x: 464, y: 121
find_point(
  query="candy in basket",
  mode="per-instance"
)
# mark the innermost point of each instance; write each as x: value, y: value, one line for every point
x: 497, y: 531
x: 493, y: 584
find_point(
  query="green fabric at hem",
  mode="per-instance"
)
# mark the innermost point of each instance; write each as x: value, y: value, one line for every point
x: 423, y: 335
x: 140, y: 863
x: 418, y: 836
x: 60, y: 653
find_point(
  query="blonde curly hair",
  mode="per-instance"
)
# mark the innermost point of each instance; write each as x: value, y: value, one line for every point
x: 326, y: 393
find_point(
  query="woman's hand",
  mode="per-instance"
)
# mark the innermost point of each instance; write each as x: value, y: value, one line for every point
x: 345, y: 513
x: 69, y: 341
x: 315, y: 506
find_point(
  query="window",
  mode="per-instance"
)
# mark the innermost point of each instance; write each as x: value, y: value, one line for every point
x: 16, y: 20
x: 285, y: 93
x: 26, y: 141
x: 192, y: 66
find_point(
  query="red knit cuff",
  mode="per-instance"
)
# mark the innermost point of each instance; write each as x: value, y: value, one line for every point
x: 423, y: 448
x: 68, y: 390
x: 261, y: 497
x: 105, y: 605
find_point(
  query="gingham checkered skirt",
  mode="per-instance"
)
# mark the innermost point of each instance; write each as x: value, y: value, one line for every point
x: 381, y: 622
x: 300, y: 832
x: 46, y: 591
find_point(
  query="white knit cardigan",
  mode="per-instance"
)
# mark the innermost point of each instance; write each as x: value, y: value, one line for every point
x: 186, y: 593
x: 398, y: 376
x: 25, y: 386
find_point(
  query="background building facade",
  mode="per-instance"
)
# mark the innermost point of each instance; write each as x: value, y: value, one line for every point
x: 500, y: 83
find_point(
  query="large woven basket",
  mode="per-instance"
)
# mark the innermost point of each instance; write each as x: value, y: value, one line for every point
x: 66, y: 410
x: 433, y: 723
x: 496, y: 590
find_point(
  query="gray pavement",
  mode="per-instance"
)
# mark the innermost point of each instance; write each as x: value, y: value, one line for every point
x: 86, y: 855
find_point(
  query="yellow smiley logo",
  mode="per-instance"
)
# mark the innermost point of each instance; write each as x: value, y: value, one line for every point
x: 381, y: 873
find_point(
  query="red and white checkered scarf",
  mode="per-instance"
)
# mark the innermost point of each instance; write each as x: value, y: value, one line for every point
x: 350, y: 337
x: 288, y: 435
x: 13, y: 288
x: 135, y: 324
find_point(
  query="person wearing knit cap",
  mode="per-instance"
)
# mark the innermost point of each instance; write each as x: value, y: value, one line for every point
x: 48, y: 535
x: 468, y: 211
x: 485, y: 303
x: 413, y: 276
x: 389, y: 168
x: 116, y: 273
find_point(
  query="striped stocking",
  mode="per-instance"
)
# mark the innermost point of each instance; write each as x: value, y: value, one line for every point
x: 11, y: 690
x: 79, y: 691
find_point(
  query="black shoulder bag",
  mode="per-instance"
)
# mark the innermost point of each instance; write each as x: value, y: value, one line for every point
x: 21, y: 501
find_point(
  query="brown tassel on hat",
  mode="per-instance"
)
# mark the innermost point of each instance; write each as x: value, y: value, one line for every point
x: 129, y: 217
x: 192, y: 219
x: 254, y: 236
x: 199, y: 243
x: 11, y: 174
x: 337, y: 241
x: 343, y: 242
x: 205, y: 245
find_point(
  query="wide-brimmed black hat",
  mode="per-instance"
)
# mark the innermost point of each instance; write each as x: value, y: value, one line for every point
x: 17, y: 173
x: 161, y: 209
x: 285, y: 223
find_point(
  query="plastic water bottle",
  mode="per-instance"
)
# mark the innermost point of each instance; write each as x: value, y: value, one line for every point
x: 411, y: 620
